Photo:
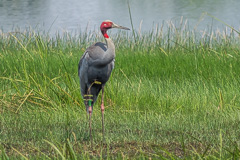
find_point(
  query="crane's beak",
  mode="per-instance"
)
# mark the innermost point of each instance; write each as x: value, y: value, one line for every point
x: 120, y: 27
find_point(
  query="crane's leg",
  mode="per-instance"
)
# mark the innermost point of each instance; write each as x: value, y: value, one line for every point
x: 88, y: 99
x: 90, y: 115
x: 102, y: 109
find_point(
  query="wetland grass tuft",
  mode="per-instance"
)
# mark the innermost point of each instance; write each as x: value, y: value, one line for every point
x: 174, y: 93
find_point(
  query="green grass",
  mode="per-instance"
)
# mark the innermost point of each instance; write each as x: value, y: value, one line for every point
x: 173, y: 94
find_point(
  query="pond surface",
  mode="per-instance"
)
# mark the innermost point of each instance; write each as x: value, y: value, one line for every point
x: 76, y: 15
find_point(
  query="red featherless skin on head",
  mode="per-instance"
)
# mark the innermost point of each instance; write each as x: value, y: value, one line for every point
x: 104, y: 27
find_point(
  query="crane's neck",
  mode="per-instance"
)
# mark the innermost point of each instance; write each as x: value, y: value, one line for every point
x: 110, y: 47
x: 110, y: 52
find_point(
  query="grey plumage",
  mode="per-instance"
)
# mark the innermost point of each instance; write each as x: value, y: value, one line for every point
x: 96, y: 64
x: 94, y: 70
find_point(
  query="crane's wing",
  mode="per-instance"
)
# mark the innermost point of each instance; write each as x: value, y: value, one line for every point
x: 111, y: 67
x: 91, y: 54
x: 82, y: 72
x: 80, y: 63
x: 88, y: 67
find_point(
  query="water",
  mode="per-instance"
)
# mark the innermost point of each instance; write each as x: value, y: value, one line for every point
x: 77, y: 15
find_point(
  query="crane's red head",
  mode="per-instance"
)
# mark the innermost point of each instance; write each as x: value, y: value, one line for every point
x: 107, y: 24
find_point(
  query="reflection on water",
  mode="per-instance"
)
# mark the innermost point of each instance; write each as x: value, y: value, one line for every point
x: 72, y: 15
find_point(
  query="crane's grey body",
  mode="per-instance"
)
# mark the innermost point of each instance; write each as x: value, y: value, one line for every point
x: 96, y: 64
x: 94, y: 70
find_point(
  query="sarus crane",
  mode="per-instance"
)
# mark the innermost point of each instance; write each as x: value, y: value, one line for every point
x: 94, y: 70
